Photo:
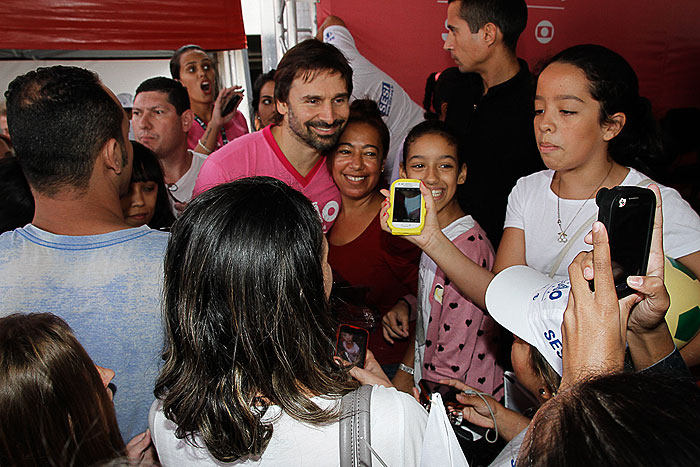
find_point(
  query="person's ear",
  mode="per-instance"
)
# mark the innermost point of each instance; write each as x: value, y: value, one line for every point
x: 112, y: 157
x: 443, y: 112
x: 462, y: 176
x: 186, y: 119
x: 489, y: 33
x: 281, y: 107
x: 613, y: 126
x: 402, y: 170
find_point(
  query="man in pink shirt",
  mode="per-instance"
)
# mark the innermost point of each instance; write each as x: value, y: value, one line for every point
x: 313, y: 83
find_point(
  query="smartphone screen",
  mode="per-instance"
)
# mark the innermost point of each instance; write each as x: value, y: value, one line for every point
x: 629, y: 221
x: 351, y: 344
x: 407, y: 205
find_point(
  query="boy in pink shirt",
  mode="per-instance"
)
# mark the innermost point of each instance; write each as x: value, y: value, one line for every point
x: 313, y: 83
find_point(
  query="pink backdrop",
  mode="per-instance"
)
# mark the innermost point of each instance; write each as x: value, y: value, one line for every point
x: 661, y: 39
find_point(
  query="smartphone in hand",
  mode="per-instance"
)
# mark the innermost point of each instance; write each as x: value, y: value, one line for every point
x: 351, y: 344
x: 407, y: 211
x: 231, y: 104
x: 628, y: 215
x: 448, y: 393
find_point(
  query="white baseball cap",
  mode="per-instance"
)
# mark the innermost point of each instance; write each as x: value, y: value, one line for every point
x: 531, y: 306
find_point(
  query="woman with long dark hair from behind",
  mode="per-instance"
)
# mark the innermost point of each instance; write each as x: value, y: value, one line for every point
x: 55, y: 407
x: 249, y: 373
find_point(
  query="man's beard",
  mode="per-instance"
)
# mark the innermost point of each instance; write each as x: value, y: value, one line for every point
x: 306, y: 134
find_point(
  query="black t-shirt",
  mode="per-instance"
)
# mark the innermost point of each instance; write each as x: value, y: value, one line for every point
x: 497, y: 141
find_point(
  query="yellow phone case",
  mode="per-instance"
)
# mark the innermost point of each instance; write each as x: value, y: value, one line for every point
x: 404, y: 231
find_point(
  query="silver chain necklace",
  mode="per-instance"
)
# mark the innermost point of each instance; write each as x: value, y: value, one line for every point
x: 562, y: 231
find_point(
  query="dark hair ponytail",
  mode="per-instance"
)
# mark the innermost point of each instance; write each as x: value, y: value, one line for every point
x: 430, y: 83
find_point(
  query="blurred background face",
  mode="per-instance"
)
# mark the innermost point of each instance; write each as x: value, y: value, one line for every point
x: 139, y: 204
x: 157, y: 124
x: 358, y: 161
x: 5, y: 149
x: 266, y: 106
x: 198, y: 76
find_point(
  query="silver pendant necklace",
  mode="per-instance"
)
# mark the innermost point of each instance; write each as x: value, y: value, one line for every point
x: 562, y: 231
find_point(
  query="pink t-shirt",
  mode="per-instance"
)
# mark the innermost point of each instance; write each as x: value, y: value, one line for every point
x: 258, y: 154
x: 236, y: 127
x: 462, y: 340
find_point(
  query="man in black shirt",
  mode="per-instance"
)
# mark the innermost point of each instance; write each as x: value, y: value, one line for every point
x: 493, y: 117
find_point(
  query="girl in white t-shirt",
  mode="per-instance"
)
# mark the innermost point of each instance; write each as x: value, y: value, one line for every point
x: 590, y: 123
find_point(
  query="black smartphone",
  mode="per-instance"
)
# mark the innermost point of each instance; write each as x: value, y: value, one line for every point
x: 628, y: 215
x: 448, y: 393
x: 231, y: 104
x: 453, y: 407
x: 351, y: 344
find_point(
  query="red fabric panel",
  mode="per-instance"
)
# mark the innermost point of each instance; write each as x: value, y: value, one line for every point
x: 660, y: 39
x: 121, y: 24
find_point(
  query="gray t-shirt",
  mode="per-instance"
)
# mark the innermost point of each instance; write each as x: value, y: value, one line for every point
x: 107, y: 288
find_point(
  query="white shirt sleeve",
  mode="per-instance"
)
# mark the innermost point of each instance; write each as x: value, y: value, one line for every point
x: 340, y: 37
x: 681, y: 225
x: 515, y: 210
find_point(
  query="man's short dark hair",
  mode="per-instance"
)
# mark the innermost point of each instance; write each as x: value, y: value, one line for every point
x: 175, y: 59
x: 176, y: 92
x: 509, y: 15
x: 306, y: 60
x: 60, y: 118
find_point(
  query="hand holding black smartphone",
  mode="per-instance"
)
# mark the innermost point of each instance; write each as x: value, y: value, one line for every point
x: 628, y: 215
x: 231, y: 104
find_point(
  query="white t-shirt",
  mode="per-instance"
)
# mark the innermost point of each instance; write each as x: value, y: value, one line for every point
x: 397, y: 428
x: 400, y: 113
x: 182, y: 189
x: 532, y: 207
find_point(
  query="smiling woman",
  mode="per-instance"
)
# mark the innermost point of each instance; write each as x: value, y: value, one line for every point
x: 359, y: 252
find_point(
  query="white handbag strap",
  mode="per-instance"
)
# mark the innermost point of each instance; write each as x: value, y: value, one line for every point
x: 355, y: 427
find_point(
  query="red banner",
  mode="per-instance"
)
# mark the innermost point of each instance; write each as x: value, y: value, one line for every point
x: 660, y: 39
x: 121, y: 24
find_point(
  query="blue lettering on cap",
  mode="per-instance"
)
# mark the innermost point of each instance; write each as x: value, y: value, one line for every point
x: 556, y: 294
x: 555, y: 343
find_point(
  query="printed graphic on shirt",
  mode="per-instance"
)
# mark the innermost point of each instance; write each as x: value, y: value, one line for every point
x: 385, y: 98
x: 328, y: 214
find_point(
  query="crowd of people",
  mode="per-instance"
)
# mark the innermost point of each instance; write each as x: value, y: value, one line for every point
x: 207, y: 267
